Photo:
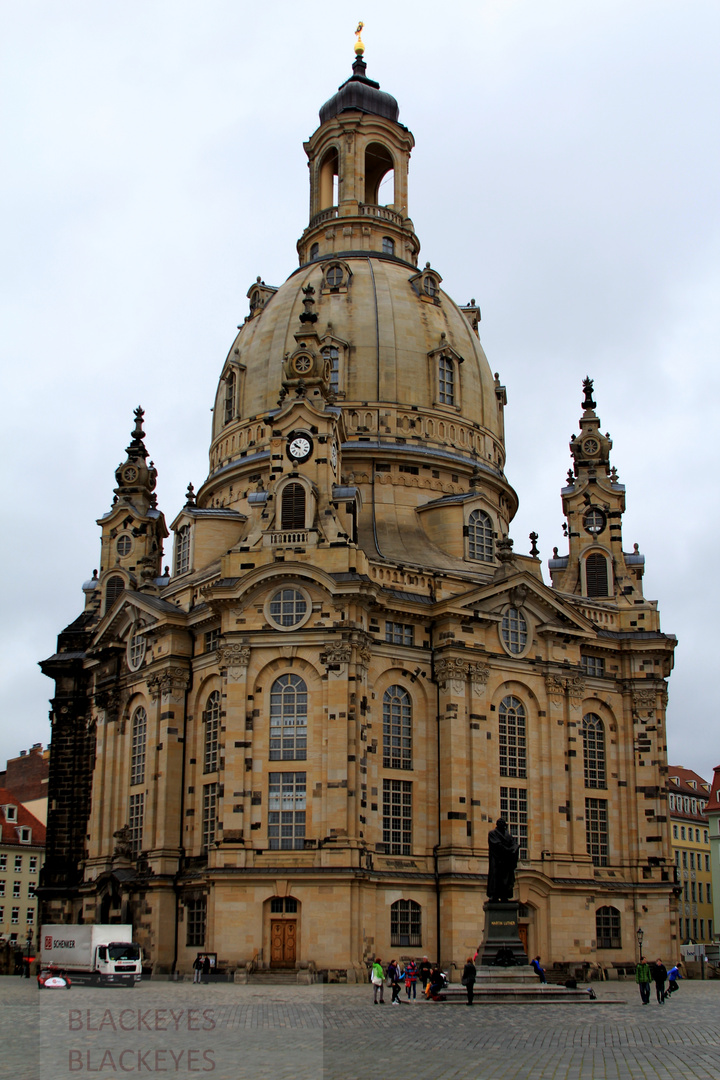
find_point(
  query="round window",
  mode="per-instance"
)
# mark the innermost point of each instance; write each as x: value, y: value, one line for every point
x: 123, y: 546
x: 514, y: 631
x: 289, y: 607
x: 334, y: 276
x: 594, y: 521
x: 136, y: 651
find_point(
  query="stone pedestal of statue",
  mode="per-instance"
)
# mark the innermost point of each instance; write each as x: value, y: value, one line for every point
x: 501, y: 947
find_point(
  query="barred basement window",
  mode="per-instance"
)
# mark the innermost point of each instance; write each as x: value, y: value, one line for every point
x: 480, y: 536
x: 397, y: 728
x: 209, y: 812
x: 293, y: 507
x: 286, y: 810
x: 593, y: 731
x: 446, y: 378
x: 196, y: 917
x: 229, y: 397
x: 399, y: 633
x: 512, y: 734
x: 596, y: 831
x: 182, y: 550
x: 594, y: 666
x: 514, y: 631
x: 397, y: 817
x: 405, y: 923
x: 513, y: 807
x: 136, y: 814
x: 596, y: 575
x: 607, y: 928
x: 211, y: 717
x: 288, y: 719
x: 114, y: 588
x: 139, y: 740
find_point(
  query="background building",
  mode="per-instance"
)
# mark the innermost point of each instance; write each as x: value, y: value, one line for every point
x: 22, y: 850
x: 26, y: 777
x: 687, y: 798
x: 291, y: 748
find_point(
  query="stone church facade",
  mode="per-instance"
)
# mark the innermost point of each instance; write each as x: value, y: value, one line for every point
x: 290, y: 750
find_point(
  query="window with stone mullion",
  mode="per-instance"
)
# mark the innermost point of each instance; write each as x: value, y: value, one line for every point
x: 596, y: 831
x: 288, y: 719
x: 513, y: 808
x: 397, y: 728
x: 512, y: 738
x: 211, y: 717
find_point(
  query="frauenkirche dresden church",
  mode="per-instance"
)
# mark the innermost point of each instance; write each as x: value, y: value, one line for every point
x: 289, y: 749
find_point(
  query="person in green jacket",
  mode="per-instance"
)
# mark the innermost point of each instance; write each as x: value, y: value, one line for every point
x: 377, y: 978
x: 643, y: 978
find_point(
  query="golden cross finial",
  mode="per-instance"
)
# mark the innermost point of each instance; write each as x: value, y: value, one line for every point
x: 359, y: 47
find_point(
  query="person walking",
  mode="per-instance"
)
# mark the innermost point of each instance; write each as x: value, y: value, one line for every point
x: 411, y: 979
x: 206, y: 970
x: 673, y: 976
x: 377, y: 978
x: 539, y: 971
x: 659, y: 974
x: 468, y: 979
x: 643, y: 977
x: 393, y: 974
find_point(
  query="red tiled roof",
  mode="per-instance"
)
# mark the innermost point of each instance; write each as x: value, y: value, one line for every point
x: 713, y: 806
x: 8, y: 829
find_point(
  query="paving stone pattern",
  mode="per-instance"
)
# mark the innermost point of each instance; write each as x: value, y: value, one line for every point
x: 232, y: 1032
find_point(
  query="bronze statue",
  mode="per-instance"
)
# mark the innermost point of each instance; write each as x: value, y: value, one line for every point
x: 504, y: 850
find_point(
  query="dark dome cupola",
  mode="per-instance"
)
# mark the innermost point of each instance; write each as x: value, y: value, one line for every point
x: 358, y: 160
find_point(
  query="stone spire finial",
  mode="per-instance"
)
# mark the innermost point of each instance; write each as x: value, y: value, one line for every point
x: 588, y: 402
x: 137, y: 448
x: 190, y: 495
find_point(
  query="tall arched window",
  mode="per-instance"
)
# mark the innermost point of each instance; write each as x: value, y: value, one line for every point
x: 397, y: 728
x: 332, y: 353
x: 139, y: 739
x: 480, y: 536
x: 514, y: 630
x: 113, y: 589
x: 513, y: 740
x: 446, y: 381
x: 406, y: 923
x: 182, y: 550
x: 593, y: 731
x: 229, y: 397
x: 211, y: 717
x: 607, y: 928
x: 596, y: 575
x: 288, y: 719
x: 292, y: 507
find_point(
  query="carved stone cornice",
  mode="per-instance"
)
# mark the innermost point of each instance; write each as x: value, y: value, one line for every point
x: 452, y: 672
x: 559, y: 686
x: 336, y: 652
x: 233, y: 659
x: 169, y: 685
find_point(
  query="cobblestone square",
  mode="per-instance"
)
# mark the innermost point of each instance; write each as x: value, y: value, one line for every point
x: 233, y: 1032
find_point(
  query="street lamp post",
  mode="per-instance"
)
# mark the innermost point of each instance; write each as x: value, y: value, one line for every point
x: 29, y: 944
x: 640, y: 935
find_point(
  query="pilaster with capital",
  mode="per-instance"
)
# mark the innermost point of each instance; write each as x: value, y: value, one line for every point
x: 236, y: 747
x: 453, y: 675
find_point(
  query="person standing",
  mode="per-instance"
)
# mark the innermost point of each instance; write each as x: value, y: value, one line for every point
x: 424, y: 970
x: 673, y: 976
x: 411, y: 979
x: 206, y: 970
x: 377, y: 978
x: 197, y: 968
x: 643, y: 977
x: 659, y: 974
x: 539, y: 971
x: 468, y: 979
x: 393, y: 974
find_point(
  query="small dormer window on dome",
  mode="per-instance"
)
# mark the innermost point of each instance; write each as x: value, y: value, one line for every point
x: 594, y: 521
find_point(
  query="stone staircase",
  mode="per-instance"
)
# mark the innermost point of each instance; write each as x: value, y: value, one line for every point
x: 273, y: 977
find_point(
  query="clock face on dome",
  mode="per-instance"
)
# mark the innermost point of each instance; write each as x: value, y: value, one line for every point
x: 299, y: 446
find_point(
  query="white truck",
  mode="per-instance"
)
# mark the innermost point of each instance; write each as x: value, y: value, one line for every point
x: 92, y: 953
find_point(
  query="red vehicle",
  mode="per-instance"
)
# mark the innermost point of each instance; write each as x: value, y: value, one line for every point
x: 52, y: 978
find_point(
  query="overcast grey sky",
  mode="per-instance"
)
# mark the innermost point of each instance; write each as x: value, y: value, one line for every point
x: 565, y: 175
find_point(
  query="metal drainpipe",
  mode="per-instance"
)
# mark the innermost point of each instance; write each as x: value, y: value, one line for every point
x: 182, y: 807
x: 439, y: 814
